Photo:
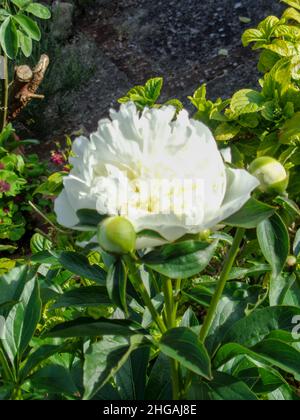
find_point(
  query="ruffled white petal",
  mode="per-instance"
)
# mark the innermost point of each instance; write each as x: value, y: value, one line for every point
x: 65, y: 213
x: 240, y: 184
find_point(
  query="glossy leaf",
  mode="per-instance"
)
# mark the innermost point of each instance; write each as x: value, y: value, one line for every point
x: 84, y: 327
x: 250, y: 215
x: 181, y: 260
x: 83, y: 296
x: 184, y: 346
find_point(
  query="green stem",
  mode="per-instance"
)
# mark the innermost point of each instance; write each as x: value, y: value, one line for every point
x: 138, y: 284
x: 231, y: 256
x: 4, y: 91
x: 169, y: 304
x: 170, y: 314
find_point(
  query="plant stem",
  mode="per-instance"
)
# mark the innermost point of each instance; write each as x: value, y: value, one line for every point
x: 138, y: 284
x: 170, y: 314
x: 169, y: 304
x: 4, y: 91
x: 231, y: 256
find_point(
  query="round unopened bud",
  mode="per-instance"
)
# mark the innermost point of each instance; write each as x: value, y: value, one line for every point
x: 116, y: 235
x: 271, y: 174
x: 204, y: 235
x: 291, y: 260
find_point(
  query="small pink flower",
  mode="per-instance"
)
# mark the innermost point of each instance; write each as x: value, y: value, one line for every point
x: 2, y: 166
x: 4, y: 186
x: 57, y: 158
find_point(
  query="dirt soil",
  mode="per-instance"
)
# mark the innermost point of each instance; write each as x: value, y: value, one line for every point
x: 129, y: 41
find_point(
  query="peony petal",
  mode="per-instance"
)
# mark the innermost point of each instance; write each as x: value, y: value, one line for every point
x: 240, y: 184
x: 65, y: 213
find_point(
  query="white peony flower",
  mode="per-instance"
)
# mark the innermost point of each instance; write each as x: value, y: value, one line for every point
x: 164, y: 174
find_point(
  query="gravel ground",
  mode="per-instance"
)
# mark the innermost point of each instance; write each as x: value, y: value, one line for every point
x: 128, y: 41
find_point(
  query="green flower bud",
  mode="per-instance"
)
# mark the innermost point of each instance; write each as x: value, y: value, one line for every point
x: 204, y: 235
x: 291, y: 261
x: 116, y: 235
x: 271, y: 174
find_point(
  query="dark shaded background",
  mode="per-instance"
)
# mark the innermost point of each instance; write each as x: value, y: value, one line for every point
x: 115, y: 44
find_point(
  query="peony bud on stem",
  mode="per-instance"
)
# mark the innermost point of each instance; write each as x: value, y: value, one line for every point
x: 271, y: 174
x: 116, y: 235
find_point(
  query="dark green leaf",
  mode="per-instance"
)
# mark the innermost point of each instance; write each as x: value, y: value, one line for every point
x: 79, y: 265
x: 275, y: 352
x: 103, y: 359
x: 22, y: 321
x: 83, y: 296
x: 251, y: 214
x: 181, y: 260
x: 116, y: 282
x: 223, y: 387
x: 89, y: 219
x: 260, y: 323
x: 183, y: 345
x: 88, y: 327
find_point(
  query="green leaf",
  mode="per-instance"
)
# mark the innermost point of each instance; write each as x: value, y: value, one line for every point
x: 291, y: 14
x: 275, y: 352
x: 280, y: 47
x: 182, y: 259
x: 260, y: 379
x: 273, y: 239
x: 52, y: 186
x: 55, y: 379
x: 21, y: 3
x: 277, y: 81
x: 83, y: 296
x: 12, y: 284
x: 293, y: 3
x: 9, y: 38
x: 290, y: 131
x: 39, y: 243
x: 38, y: 10
x: 222, y: 387
x: 103, y: 359
x: 79, y: 265
x: 250, y: 215
x: 153, y: 88
x: 284, y: 393
x: 22, y: 321
x: 252, y: 35
x: 226, y: 131
x: 189, y: 319
x: 234, y: 304
x: 131, y: 379
x: 88, y: 327
x: 29, y: 26
x: 159, y: 385
x: 116, y: 282
x: 257, y: 326
x: 296, y: 245
x: 25, y: 44
x: 89, y: 219
x: 37, y: 357
x: 184, y: 346
x: 247, y: 101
